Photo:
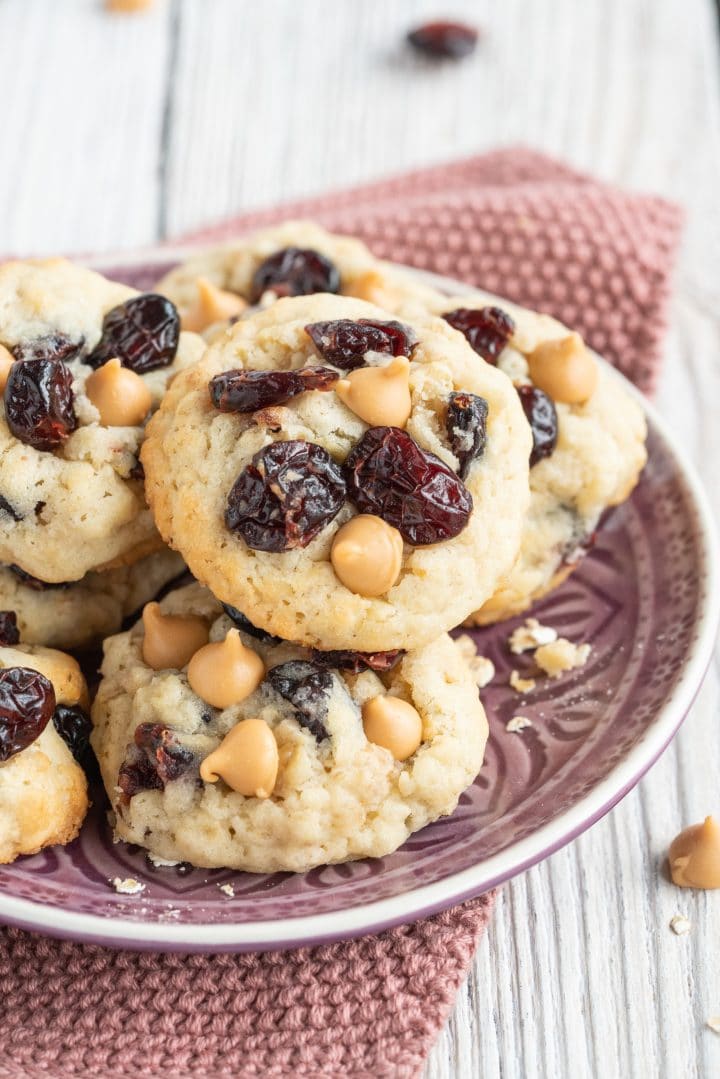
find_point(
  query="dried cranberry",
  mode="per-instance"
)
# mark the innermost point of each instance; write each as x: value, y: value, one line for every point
x: 389, y: 475
x: 27, y: 702
x: 34, y: 582
x: 285, y: 496
x: 344, y: 342
x: 247, y: 391
x: 295, y: 271
x: 448, y: 40
x: 542, y: 417
x: 487, y: 329
x: 55, y: 346
x: 355, y: 662
x: 9, y: 510
x: 9, y: 632
x: 466, y: 424
x: 156, y: 758
x: 307, y: 687
x: 143, y: 333
x: 243, y: 623
x: 39, y: 403
x: 74, y: 726
x: 137, y: 472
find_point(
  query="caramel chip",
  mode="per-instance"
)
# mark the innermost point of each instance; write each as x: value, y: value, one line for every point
x: 247, y: 760
x: 564, y: 369
x: 367, y: 555
x: 379, y: 395
x: 171, y: 640
x: 394, y: 724
x: 212, y: 305
x: 694, y: 856
x: 120, y: 396
x: 225, y: 672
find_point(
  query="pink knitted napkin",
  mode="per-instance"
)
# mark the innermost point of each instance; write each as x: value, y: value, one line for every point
x: 517, y: 224
x: 524, y: 226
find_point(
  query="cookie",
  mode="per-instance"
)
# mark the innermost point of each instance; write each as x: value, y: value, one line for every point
x: 589, y: 435
x: 72, y: 415
x: 358, y: 485
x: 43, y: 790
x: 260, y: 755
x: 296, y: 258
x: 79, y: 613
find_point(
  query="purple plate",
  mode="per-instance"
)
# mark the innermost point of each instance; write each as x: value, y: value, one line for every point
x: 645, y: 598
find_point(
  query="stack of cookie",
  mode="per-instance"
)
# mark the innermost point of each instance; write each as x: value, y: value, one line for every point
x: 354, y: 466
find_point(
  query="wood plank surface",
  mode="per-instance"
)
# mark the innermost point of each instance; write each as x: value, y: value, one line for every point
x: 117, y: 131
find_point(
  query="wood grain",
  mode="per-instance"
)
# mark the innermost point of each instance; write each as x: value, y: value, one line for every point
x: 117, y: 131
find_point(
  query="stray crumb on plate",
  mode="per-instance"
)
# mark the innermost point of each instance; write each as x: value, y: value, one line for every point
x: 680, y: 925
x: 521, y: 685
x: 227, y: 889
x: 560, y: 656
x: 530, y: 636
x: 518, y: 724
x: 127, y: 886
x: 161, y: 863
x: 481, y: 668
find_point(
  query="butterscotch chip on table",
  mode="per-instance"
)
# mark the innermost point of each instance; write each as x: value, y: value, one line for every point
x: 43, y: 790
x: 77, y: 614
x: 327, y: 757
x: 91, y: 359
x: 323, y: 527
x: 588, y: 434
x: 694, y: 856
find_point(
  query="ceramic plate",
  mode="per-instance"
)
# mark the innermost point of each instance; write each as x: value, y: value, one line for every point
x: 646, y: 600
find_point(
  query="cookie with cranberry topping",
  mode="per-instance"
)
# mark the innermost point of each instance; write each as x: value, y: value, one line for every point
x: 223, y: 284
x: 373, y: 511
x: 43, y: 790
x: 77, y: 614
x: 336, y: 764
x: 86, y: 360
x: 588, y: 435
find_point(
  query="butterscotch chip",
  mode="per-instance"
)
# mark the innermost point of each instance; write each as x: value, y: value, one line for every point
x: 212, y: 305
x: 564, y: 369
x: 171, y: 641
x: 6, y: 361
x: 379, y: 395
x: 127, y: 6
x: 694, y: 856
x: 246, y: 759
x: 367, y: 555
x: 225, y: 672
x: 120, y: 396
x: 394, y: 724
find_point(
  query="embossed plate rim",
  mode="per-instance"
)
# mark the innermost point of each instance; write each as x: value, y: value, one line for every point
x: 486, y: 874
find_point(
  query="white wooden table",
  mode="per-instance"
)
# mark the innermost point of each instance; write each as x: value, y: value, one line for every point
x: 118, y: 131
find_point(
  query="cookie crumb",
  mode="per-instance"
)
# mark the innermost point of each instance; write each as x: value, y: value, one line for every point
x: 530, y: 635
x: 518, y: 724
x: 561, y: 656
x: 521, y: 685
x: 481, y: 668
x: 227, y: 889
x: 127, y: 886
x: 680, y: 925
x: 714, y: 1023
x: 161, y: 863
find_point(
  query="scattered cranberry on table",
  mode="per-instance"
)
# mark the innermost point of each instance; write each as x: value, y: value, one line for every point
x: 444, y: 40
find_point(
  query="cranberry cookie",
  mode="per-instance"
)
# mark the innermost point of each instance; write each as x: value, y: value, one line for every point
x: 588, y: 435
x: 346, y: 480
x: 296, y: 258
x: 83, y: 361
x: 255, y: 754
x: 43, y: 724
x: 79, y: 613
